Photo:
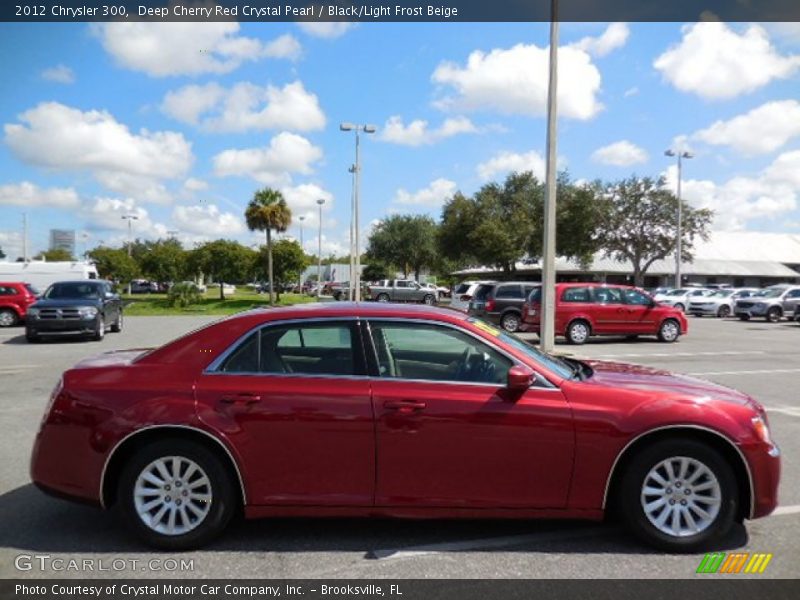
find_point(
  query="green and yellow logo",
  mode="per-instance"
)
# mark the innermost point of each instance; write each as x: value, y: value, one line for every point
x: 736, y: 562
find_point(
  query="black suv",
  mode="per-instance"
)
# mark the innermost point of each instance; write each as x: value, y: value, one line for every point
x: 86, y: 307
x: 501, y: 303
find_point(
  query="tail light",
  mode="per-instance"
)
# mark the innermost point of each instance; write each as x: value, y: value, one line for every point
x: 524, y: 311
x: 465, y: 297
x: 490, y: 304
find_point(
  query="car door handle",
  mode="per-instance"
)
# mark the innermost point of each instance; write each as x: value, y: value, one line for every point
x: 404, y: 405
x: 246, y: 399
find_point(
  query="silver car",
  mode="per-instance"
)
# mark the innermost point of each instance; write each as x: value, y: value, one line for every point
x: 680, y: 298
x: 772, y: 303
x: 718, y: 303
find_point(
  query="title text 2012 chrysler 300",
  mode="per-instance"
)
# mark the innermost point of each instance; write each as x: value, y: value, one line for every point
x: 406, y: 411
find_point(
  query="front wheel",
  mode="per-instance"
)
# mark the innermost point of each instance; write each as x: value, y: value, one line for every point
x: 116, y: 327
x: 176, y: 495
x: 679, y: 496
x: 744, y: 317
x: 724, y: 312
x: 774, y: 314
x: 669, y: 331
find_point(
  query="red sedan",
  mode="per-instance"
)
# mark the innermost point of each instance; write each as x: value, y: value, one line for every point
x: 404, y: 411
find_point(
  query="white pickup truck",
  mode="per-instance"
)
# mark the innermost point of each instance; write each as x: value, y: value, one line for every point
x: 401, y: 290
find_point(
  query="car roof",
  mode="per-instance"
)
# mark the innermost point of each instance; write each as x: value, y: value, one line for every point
x: 323, y: 310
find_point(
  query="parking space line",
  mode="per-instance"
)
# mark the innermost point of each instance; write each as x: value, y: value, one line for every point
x: 792, y: 411
x: 792, y: 509
x: 486, y: 543
x: 754, y: 372
x: 681, y: 354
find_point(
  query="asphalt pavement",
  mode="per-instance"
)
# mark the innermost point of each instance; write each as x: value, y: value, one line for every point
x: 759, y: 358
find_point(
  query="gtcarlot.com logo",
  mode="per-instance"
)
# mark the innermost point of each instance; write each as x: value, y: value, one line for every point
x: 736, y: 562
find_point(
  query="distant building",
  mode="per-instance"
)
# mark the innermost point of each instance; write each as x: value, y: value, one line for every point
x: 63, y: 239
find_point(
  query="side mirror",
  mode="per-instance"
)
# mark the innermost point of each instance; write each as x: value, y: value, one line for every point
x: 520, y: 378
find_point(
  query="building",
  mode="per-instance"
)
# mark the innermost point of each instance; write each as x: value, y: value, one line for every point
x: 740, y: 258
x: 63, y: 239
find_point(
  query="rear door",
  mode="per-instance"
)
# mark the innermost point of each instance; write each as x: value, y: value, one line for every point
x: 791, y: 302
x: 609, y: 310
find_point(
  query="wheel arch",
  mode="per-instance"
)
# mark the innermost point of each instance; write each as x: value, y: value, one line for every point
x: 127, y: 446
x: 713, y: 438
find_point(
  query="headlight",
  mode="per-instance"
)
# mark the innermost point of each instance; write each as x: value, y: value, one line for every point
x: 88, y: 312
x: 32, y: 312
x: 762, y: 430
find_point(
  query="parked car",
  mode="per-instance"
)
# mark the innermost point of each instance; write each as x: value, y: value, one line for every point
x: 397, y: 411
x: 772, y: 303
x: 88, y: 307
x: 15, y: 298
x: 501, y: 303
x: 143, y: 286
x: 680, y: 298
x: 587, y: 309
x: 719, y: 303
x: 400, y: 290
x: 438, y: 290
x: 463, y: 293
x: 200, y: 287
x: 228, y: 289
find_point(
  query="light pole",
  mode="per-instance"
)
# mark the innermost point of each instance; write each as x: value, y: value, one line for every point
x: 84, y: 239
x: 130, y: 218
x: 352, y: 285
x: 681, y: 154
x: 300, y: 279
x: 548, y: 304
x: 356, y: 276
x: 320, y: 201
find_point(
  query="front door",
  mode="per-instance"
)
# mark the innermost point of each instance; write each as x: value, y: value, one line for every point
x: 450, y: 435
x: 294, y: 401
x: 642, y: 318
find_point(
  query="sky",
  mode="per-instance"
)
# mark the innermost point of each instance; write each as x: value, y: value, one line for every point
x: 180, y: 123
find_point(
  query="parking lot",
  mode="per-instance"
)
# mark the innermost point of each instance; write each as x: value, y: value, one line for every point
x: 759, y: 358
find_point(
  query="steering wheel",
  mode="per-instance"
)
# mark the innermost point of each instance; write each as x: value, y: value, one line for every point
x: 463, y: 369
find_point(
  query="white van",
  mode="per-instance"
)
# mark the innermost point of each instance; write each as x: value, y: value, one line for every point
x: 40, y: 274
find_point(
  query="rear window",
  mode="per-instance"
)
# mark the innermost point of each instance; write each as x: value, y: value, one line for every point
x: 508, y: 291
x: 535, y: 296
x: 483, y: 292
x: 576, y: 294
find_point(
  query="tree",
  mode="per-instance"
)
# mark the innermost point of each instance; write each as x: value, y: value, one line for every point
x: 376, y: 270
x: 55, y: 255
x: 265, y: 212
x: 114, y: 264
x: 405, y: 241
x: 2, y: 254
x: 223, y: 261
x: 641, y: 224
x: 164, y: 260
x: 289, y: 261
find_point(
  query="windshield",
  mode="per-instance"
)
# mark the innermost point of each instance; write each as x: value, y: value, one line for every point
x: 462, y: 288
x: 721, y: 294
x: 773, y: 292
x: 676, y: 293
x: 59, y: 291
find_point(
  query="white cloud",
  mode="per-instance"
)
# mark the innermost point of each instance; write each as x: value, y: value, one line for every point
x: 166, y: 49
x: 716, y: 63
x: 417, y: 132
x: 195, y: 185
x: 631, y: 92
x: 11, y: 243
x: 507, y: 162
x: 206, y: 220
x: 434, y: 195
x: 772, y: 194
x: 30, y: 195
x: 615, y: 36
x: 286, y: 154
x: 245, y: 107
x: 762, y: 130
x: 325, y: 29
x: 302, y: 199
x: 514, y: 81
x: 55, y: 136
x: 620, y: 154
x: 106, y: 214
x: 59, y: 74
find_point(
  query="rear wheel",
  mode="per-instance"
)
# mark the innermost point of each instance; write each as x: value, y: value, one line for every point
x: 7, y: 317
x: 382, y: 298
x: 510, y: 322
x: 429, y: 299
x: 669, y: 331
x: 679, y: 495
x: 744, y: 317
x: 774, y: 314
x: 680, y: 307
x: 578, y: 332
x: 100, y: 332
x: 176, y: 495
x: 724, y: 311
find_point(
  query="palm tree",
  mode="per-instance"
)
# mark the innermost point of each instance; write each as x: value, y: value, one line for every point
x: 267, y: 211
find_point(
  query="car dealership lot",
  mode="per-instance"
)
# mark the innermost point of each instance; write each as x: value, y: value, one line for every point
x: 756, y: 357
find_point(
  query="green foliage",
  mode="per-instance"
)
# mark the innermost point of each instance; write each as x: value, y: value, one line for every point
x: 184, y: 294
x: 223, y: 261
x: 376, y: 270
x: 641, y: 223
x: 405, y: 241
x: 268, y: 211
x: 56, y: 255
x: 164, y: 260
x: 289, y: 261
x: 114, y: 264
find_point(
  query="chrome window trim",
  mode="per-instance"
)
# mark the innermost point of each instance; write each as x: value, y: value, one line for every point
x: 684, y: 426
x: 111, y: 454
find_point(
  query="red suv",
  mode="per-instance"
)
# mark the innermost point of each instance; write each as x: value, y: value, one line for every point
x: 586, y: 309
x: 15, y: 298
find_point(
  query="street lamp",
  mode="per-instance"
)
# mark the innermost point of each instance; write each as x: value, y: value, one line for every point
x: 352, y: 284
x: 356, y: 250
x: 680, y: 154
x: 301, y: 218
x: 320, y: 201
x: 130, y: 218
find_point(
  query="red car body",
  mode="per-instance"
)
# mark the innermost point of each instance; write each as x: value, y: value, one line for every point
x: 369, y: 445
x: 609, y: 315
x: 15, y: 298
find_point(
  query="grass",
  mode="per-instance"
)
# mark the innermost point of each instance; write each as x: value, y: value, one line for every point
x: 148, y: 305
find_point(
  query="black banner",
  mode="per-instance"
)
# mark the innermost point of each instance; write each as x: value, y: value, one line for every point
x: 712, y: 587
x: 399, y: 10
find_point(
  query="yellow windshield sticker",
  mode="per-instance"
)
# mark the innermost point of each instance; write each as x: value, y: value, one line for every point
x: 483, y: 326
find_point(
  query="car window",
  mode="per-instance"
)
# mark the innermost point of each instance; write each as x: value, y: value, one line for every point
x: 508, y: 291
x: 483, y: 291
x: 636, y: 298
x: 6, y: 291
x: 436, y: 353
x: 73, y: 290
x: 676, y: 293
x: 535, y: 296
x: 576, y: 294
x: 605, y: 295
x: 793, y: 294
x: 314, y: 349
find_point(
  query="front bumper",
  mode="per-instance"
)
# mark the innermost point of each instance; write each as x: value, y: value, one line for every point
x: 765, y: 471
x: 752, y: 311
x: 38, y: 326
x: 706, y: 311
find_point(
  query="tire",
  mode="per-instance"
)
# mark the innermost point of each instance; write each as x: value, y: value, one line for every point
x: 429, y: 299
x: 337, y: 296
x: 100, y: 332
x: 382, y: 298
x: 724, y: 312
x: 578, y: 332
x: 744, y: 317
x: 510, y: 322
x: 774, y: 314
x: 8, y: 317
x: 214, y: 503
x: 116, y: 327
x: 680, y: 307
x: 31, y: 337
x: 669, y: 331
x: 648, y: 506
